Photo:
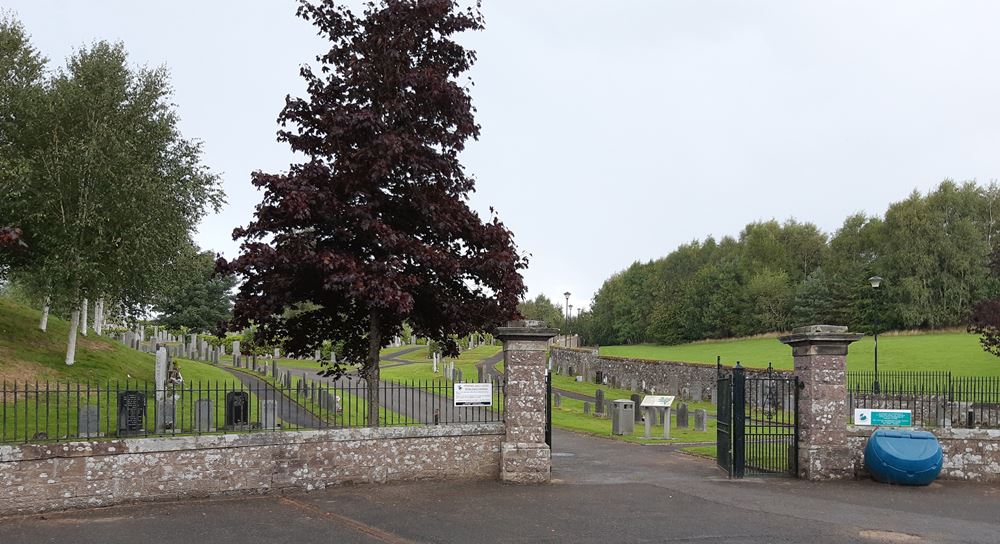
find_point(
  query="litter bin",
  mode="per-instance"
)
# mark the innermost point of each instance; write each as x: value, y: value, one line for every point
x: 622, y: 417
x: 903, y: 457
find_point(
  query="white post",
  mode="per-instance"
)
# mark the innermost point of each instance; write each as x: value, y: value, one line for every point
x: 83, y: 317
x: 44, y: 324
x: 74, y: 323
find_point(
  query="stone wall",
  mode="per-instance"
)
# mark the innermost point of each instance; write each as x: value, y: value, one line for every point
x: 690, y: 381
x: 36, y: 478
x: 969, y: 454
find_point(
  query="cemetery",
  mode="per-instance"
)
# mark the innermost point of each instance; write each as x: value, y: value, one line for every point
x: 281, y: 272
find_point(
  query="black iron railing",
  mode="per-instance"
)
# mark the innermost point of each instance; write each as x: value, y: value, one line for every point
x: 936, y: 399
x: 34, y: 412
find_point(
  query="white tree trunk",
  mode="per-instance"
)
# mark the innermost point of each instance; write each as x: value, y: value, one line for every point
x: 99, y: 317
x: 44, y: 324
x: 74, y: 323
x: 83, y: 317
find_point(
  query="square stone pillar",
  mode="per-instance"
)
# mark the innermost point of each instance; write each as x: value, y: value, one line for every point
x: 820, y: 353
x: 524, y: 455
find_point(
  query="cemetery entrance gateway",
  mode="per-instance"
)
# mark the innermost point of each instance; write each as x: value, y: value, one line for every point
x: 757, y: 430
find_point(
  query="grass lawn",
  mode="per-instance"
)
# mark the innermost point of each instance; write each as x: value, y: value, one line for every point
x: 570, y: 416
x: 316, y: 365
x: 28, y: 354
x: 569, y: 384
x: 957, y: 352
x: 423, y: 368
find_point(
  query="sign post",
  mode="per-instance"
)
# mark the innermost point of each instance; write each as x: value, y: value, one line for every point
x: 473, y: 394
x: 874, y: 416
x: 652, y: 404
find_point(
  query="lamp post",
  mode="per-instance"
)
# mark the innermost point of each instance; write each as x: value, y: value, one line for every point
x: 876, y: 282
x: 566, y: 311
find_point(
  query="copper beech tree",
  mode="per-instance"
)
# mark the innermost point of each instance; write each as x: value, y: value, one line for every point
x: 373, y: 228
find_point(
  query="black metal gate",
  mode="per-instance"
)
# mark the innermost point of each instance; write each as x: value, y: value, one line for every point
x: 758, y: 425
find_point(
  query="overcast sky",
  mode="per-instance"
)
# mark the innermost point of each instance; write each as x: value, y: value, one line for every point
x: 614, y: 131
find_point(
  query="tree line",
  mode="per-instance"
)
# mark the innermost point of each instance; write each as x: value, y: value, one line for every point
x: 101, y: 192
x: 933, y: 250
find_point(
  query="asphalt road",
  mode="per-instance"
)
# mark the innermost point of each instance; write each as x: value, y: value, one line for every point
x: 604, y: 492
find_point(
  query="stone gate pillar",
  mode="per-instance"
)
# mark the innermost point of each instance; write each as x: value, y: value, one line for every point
x: 524, y: 455
x: 820, y: 353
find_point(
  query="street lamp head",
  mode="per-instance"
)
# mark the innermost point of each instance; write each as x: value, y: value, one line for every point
x: 876, y: 281
x: 566, y: 294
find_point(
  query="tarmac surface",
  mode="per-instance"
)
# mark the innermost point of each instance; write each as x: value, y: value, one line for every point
x: 603, y: 492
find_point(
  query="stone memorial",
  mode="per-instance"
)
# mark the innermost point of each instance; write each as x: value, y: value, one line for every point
x: 131, y: 413
x: 88, y: 422
x: 682, y: 416
x: 696, y: 391
x: 204, y: 416
x: 236, y: 353
x: 599, y: 401
x: 586, y: 408
x: 165, y: 414
x: 637, y: 399
x: 268, y: 414
x: 700, y: 420
x: 237, y: 409
x: 598, y: 377
x: 557, y: 399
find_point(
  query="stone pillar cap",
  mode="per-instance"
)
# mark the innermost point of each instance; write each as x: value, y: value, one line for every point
x: 820, y: 333
x: 527, y: 329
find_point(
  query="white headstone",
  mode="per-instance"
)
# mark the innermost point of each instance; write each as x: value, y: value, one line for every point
x: 161, y: 373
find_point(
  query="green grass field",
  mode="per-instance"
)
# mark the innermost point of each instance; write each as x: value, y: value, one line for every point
x: 569, y: 415
x: 957, y: 352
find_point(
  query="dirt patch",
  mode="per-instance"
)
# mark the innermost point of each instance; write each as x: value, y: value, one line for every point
x: 14, y: 370
x: 92, y: 344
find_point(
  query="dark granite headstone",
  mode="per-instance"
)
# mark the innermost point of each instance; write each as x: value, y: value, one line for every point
x: 637, y: 399
x: 599, y: 377
x: 237, y: 408
x: 599, y: 401
x: 131, y: 413
x: 682, y: 416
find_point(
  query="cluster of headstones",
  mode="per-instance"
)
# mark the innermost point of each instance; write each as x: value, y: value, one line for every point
x: 319, y: 393
x: 190, y: 346
x: 131, y: 411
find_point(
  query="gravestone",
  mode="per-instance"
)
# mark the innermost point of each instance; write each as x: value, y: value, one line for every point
x: 599, y: 377
x: 88, y: 422
x: 682, y: 416
x: 131, y: 413
x: 558, y: 399
x: 277, y: 353
x: 160, y: 374
x: 204, y: 416
x: 599, y: 401
x: 586, y: 408
x: 165, y: 412
x: 673, y: 385
x: 700, y: 420
x: 637, y: 400
x: 237, y: 409
x: 696, y: 391
x: 269, y: 414
x: 318, y: 356
x: 458, y: 373
x: 236, y: 353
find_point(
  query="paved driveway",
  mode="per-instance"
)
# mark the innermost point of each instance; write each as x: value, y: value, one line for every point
x: 605, y: 492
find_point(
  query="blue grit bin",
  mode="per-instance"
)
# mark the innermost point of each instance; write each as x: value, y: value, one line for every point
x: 903, y: 457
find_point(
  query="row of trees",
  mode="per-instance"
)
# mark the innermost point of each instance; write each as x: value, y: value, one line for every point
x: 101, y: 192
x: 934, y: 251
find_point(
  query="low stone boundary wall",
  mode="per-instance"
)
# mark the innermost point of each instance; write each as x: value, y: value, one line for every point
x: 689, y: 381
x: 43, y: 477
x: 969, y: 454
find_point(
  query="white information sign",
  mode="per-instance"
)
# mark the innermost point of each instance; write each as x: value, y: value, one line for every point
x: 473, y: 394
x: 656, y: 401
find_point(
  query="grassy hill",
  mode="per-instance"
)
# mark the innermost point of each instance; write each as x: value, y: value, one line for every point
x: 957, y: 352
x: 28, y: 354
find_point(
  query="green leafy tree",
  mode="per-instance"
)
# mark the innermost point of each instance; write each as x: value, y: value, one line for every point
x: 109, y: 191
x: 543, y: 309
x: 200, y: 299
